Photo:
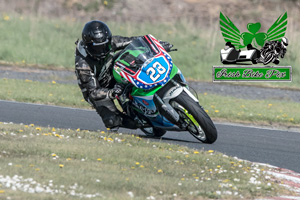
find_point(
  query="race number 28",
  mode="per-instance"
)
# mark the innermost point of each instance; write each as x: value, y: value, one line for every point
x: 156, y: 71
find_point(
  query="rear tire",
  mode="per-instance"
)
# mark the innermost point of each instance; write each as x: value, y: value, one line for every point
x: 203, y: 128
x: 154, y: 132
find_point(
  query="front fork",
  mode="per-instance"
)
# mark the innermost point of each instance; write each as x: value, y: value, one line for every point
x: 164, y: 107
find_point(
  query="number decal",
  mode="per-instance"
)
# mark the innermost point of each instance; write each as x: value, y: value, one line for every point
x: 159, y: 68
x: 152, y: 72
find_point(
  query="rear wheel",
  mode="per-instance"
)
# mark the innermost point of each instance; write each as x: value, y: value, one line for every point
x: 154, y: 132
x: 197, y: 122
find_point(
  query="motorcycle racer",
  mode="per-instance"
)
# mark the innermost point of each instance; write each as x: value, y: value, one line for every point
x: 94, y: 58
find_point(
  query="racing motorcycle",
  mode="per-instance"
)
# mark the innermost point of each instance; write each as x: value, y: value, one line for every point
x: 273, y: 50
x: 156, y: 93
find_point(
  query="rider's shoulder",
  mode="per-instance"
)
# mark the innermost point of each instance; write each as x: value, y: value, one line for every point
x: 80, y: 49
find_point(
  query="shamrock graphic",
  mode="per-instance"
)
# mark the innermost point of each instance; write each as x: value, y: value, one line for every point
x: 232, y: 34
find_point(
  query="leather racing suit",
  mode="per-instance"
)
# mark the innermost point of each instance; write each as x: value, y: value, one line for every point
x: 95, y: 79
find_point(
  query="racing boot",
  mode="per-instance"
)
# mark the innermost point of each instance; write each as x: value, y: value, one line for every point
x: 128, y: 122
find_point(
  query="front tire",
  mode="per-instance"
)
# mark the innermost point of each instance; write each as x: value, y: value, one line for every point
x: 268, y: 58
x: 198, y: 122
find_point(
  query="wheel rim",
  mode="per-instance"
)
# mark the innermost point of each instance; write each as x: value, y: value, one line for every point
x: 268, y: 58
x: 193, y: 126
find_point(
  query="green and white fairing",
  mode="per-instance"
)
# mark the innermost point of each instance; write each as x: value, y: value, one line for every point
x: 156, y: 93
x: 148, y: 67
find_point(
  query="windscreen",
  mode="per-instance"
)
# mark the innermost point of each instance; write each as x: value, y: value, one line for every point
x: 137, y: 53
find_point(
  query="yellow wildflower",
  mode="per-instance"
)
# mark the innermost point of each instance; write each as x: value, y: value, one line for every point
x: 68, y: 159
x: 2, y: 191
x: 61, y: 165
x: 141, y: 166
x: 196, y: 152
x: 160, y: 171
x: 216, y: 111
x: 38, y: 129
x: 210, y: 151
x: 137, y: 163
x: 99, y: 159
x: 6, y: 18
x: 53, y: 82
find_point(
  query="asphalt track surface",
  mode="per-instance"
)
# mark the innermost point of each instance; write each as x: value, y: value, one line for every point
x: 275, y: 147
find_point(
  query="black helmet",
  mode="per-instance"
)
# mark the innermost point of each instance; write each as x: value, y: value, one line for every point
x: 96, y: 38
x: 285, y: 41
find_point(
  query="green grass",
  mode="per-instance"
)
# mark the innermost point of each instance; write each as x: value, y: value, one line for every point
x: 110, y: 165
x: 50, y: 42
x: 50, y: 93
x: 221, y: 108
x: 263, y: 112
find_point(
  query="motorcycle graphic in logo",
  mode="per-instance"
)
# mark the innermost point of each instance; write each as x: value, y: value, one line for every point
x: 273, y: 44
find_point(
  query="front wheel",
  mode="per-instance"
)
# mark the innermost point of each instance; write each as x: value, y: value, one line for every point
x: 198, y: 123
x: 268, y: 58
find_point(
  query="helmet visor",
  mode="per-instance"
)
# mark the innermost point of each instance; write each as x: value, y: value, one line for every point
x: 100, y: 49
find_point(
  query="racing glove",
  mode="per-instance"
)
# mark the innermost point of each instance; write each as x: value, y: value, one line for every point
x: 117, y: 90
x: 166, y: 45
